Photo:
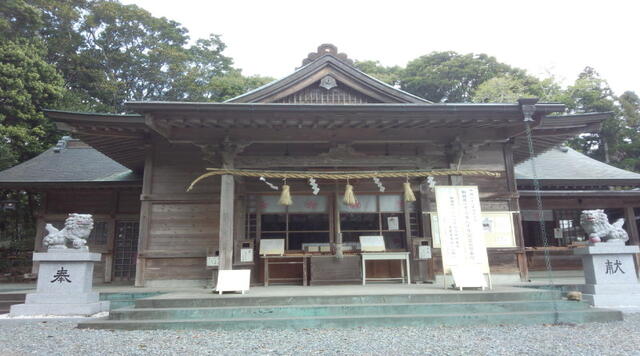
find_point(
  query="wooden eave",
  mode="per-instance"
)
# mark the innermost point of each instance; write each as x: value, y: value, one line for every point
x: 42, y: 186
x: 577, y: 182
x: 325, y: 65
x: 190, y: 122
x: 119, y: 137
x: 554, y: 130
x: 618, y: 194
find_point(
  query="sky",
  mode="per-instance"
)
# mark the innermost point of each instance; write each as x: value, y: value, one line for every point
x: 559, y: 37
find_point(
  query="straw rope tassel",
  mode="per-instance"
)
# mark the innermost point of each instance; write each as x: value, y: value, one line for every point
x: 349, y: 197
x: 211, y: 172
x: 285, y: 196
x: 408, y: 193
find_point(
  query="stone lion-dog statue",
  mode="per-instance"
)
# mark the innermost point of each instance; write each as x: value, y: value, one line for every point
x: 77, y: 229
x: 596, y: 224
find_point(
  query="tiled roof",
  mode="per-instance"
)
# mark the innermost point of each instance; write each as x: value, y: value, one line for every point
x: 67, y: 163
x: 568, y: 165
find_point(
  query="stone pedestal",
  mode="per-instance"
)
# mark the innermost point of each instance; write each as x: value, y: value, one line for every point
x: 65, y: 278
x: 610, y: 274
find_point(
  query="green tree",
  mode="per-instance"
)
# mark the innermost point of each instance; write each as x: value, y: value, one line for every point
x: 18, y: 20
x: 591, y: 93
x: 109, y: 53
x: 389, y: 75
x: 630, y: 142
x: 507, y: 89
x: 27, y: 85
x: 452, y: 77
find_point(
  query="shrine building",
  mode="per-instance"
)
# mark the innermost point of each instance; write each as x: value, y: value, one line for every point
x: 132, y: 172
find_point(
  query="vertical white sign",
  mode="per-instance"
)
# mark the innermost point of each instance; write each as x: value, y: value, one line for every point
x: 460, y: 228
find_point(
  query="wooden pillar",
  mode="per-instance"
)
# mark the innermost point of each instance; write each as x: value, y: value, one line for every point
x: 145, y: 216
x: 426, y: 271
x: 634, y: 236
x: 225, y: 246
x: 514, y: 206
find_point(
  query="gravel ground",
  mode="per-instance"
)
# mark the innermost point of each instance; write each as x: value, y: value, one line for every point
x: 62, y: 338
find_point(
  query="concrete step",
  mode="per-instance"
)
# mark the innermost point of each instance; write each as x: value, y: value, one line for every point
x: 12, y: 297
x: 540, y: 317
x: 119, y: 300
x: 247, y: 300
x: 278, y: 311
x: 7, y: 300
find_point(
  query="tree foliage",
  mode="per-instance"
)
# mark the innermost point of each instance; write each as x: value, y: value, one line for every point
x: 591, y: 93
x: 452, y: 77
x: 389, y: 75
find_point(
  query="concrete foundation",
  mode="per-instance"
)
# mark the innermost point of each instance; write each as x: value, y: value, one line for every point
x: 64, y: 287
x: 610, y: 275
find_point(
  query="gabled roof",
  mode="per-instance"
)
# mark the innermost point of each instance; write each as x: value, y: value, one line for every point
x: 564, y: 166
x: 71, y: 161
x: 345, y: 81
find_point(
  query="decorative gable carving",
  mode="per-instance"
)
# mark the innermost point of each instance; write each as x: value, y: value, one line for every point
x: 317, y: 93
x: 328, y: 77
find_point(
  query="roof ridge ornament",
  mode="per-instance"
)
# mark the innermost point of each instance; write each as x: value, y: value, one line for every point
x: 324, y: 49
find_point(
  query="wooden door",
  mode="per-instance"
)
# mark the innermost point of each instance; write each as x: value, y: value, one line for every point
x: 125, y: 250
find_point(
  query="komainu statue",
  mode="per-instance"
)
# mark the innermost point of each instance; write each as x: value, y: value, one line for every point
x: 596, y: 224
x: 77, y: 229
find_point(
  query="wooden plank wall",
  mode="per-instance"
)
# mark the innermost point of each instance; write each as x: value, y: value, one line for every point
x: 182, y: 226
x: 496, y: 194
x: 106, y: 205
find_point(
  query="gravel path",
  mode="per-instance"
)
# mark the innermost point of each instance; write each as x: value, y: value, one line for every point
x: 62, y: 338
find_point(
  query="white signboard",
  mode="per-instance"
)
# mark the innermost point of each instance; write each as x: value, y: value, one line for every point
x: 272, y: 247
x: 424, y: 252
x: 467, y: 276
x: 372, y: 243
x: 460, y: 228
x: 236, y: 280
x: 393, y: 223
x: 213, y: 261
x: 246, y: 255
x: 497, y: 227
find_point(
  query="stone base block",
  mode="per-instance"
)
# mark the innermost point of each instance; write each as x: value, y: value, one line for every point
x: 85, y: 309
x: 52, y: 298
x: 622, y: 289
x: 612, y: 300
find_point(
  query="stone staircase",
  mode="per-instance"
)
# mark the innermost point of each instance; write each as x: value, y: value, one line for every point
x: 250, y: 312
x: 9, y: 299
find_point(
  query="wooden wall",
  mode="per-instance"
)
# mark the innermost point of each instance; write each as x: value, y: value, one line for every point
x: 178, y: 227
x: 496, y: 194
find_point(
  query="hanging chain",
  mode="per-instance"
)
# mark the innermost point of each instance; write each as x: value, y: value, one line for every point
x: 541, y: 221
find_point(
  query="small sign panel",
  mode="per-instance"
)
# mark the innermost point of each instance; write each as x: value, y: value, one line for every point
x: 213, y: 261
x: 372, y: 244
x: 272, y: 247
x: 424, y: 252
x: 233, y: 280
x: 557, y: 233
x: 393, y: 223
x: 246, y: 255
x: 468, y: 276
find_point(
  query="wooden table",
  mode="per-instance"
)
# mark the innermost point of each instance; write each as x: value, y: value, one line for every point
x: 267, y: 263
x: 376, y: 256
